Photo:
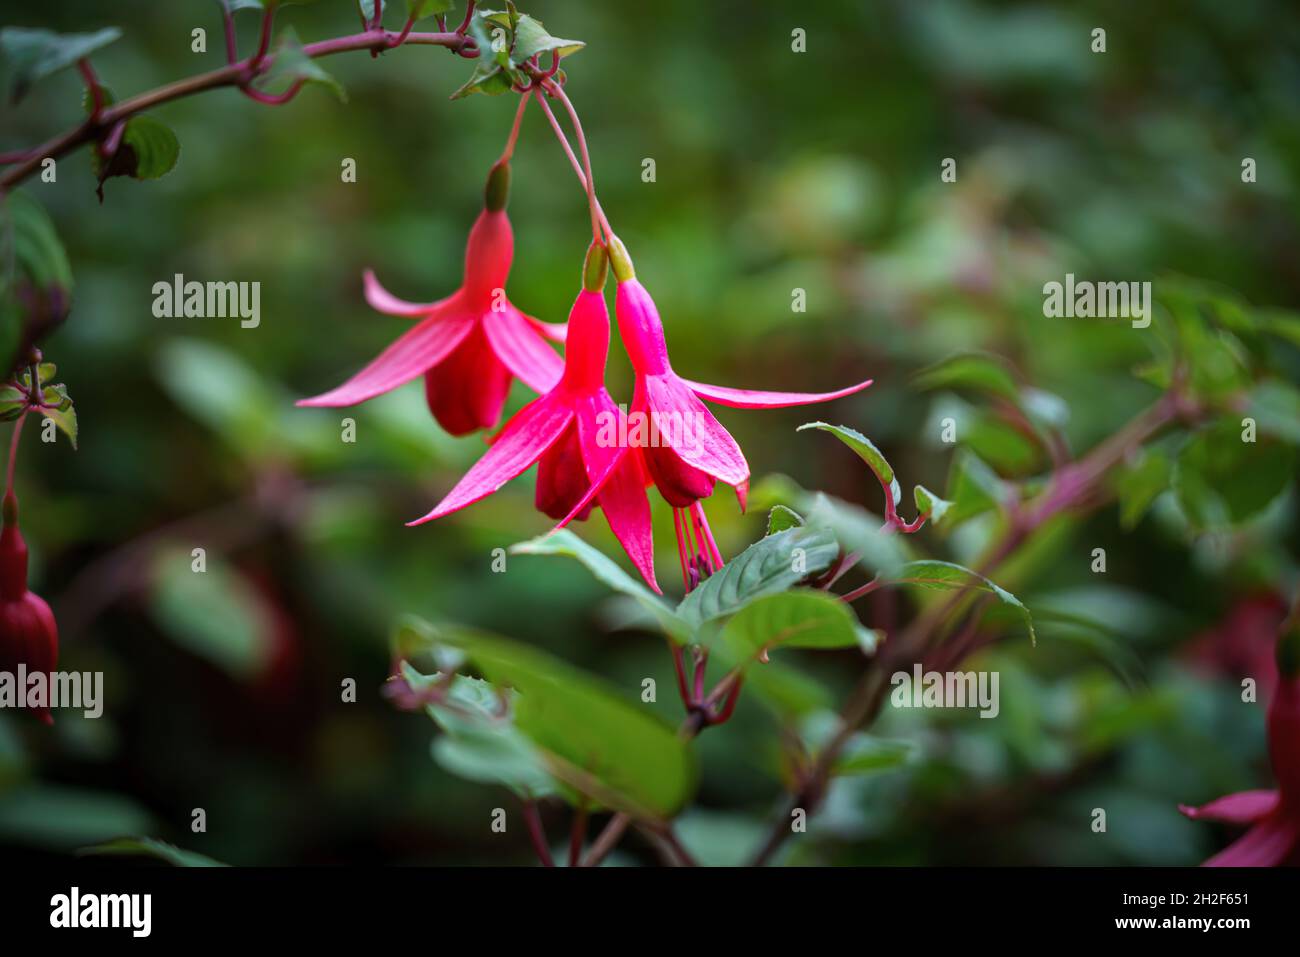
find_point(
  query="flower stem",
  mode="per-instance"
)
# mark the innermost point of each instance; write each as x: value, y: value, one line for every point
x: 573, y: 161
x: 556, y: 89
x: 13, y: 453
x: 509, y: 150
x: 536, y: 834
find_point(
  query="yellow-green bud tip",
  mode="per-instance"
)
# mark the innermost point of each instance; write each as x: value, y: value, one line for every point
x: 497, y: 192
x: 623, y: 270
x: 595, y: 268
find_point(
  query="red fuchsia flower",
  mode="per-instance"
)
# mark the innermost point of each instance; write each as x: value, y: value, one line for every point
x: 468, y: 346
x: 1273, y: 816
x: 29, y: 635
x: 566, y: 430
x: 686, y: 450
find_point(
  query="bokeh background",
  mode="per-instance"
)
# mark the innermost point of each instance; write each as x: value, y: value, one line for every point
x: 775, y: 170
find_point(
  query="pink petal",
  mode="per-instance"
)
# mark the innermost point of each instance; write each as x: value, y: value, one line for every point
x: 523, y: 350
x: 555, y: 331
x: 1267, y: 844
x: 381, y: 300
x: 615, y: 476
x: 1245, y: 807
x: 412, y: 354
x: 702, y: 442
x: 748, y: 399
x: 533, y: 430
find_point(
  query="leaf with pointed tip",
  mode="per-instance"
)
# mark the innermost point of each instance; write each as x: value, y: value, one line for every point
x: 32, y: 55
x: 781, y: 518
x: 565, y: 542
x: 930, y: 573
x: 927, y: 503
x: 531, y: 39
x: 150, y: 847
x: 979, y: 371
x: 772, y: 564
x: 867, y: 451
x: 802, y: 618
x: 291, y: 65
x: 590, y: 738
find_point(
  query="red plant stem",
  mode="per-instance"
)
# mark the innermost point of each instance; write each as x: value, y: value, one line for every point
x: 406, y: 32
x: 28, y: 162
x: 861, y: 590
x: 701, y: 668
x: 232, y: 45
x: 264, y: 40
x: 379, y: 14
x: 729, y: 705
x: 680, y: 667
x: 509, y: 150
x: 573, y: 159
x: 556, y: 89
x: 536, y: 834
x: 469, y: 15
x: 92, y: 86
x: 577, y: 834
x: 273, y: 99
x: 13, y: 453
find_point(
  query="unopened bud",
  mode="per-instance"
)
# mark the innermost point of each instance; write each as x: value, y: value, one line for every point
x: 595, y: 268
x: 623, y: 270
x: 497, y: 193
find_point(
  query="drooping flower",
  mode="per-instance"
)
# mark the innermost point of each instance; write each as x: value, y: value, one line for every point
x: 568, y: 432
x: 468, y: 346
x: 1273, y: 816
x: 685, y: 449
x: 29, y: 635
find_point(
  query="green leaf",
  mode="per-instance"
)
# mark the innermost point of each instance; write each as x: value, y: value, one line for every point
x: 35, y: 278
x: 13, y: 401
x: 864, y: 754
x: 494, y: 72
x: 781, y: 518
x: 1222, y: 480
x: 866, y: 451
x: 149, y: 847
x: 591, y: 738
x: 155, y: 146
x: 291, y: 65
x: 941, y: 575
x: 973, y: 488
x: 857, y: 530
x: 1139, y: 485
x: 215, y: 614
x: 1275, y: 407
x: 531, y: 39
x: 32, y: 55
x: 927, y: 503
x: 803, y: 618
x: 64, y: 818
x: 979, y: 371
x: 481, y: 741
x: 65, y: 420
x: 419, y: 9
x: 770, y: 565
x: 565, y: 542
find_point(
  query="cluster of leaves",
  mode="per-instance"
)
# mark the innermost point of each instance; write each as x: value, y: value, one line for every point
x: 34, y: 390
x: 509, y: 43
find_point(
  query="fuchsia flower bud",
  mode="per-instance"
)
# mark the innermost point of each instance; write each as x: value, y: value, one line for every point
x: 468, y: 346
x: 29, y: 635
x: 1273, y: 816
